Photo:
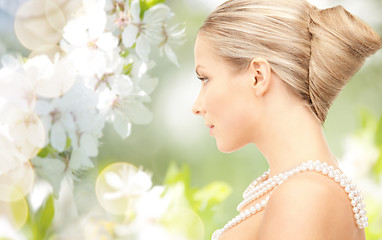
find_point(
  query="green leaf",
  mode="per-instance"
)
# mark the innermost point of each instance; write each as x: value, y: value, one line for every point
x: 175, y: 175
x: 44, y: 217
x: 68, y: 143
x: 39, y: 223
x: 125, y: 53
x: 144, y: 7
x: 127, y: 68
x: 211, y: 195
x: 43, y: 153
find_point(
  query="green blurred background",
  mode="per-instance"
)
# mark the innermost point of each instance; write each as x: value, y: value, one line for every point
x: 176, y: 135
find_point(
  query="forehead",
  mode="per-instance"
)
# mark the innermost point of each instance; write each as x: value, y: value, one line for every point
x: 203, y: 49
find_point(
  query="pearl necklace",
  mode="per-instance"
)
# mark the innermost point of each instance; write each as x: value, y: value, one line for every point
x: 263, y: 184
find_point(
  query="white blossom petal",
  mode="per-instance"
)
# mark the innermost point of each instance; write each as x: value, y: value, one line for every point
x: 135, y: 10
x: 171, y: 55
x: 113, y: 195
x: 143, y: 47
x: 138, y: 113
x: 124, y: 85
x: 156, y: 14
x: 129, y: 35
x: 109, y: 5
x: 107, y: 42
x: 114, y: 180
x: 148, y: 84
x: 50, y: 169
x: 122, y: 126
x: 58, y: 137
x: 141, y: 181
x: 75, y: 32
x: 79, y: 160
x: 97, y: 23
x: 89, y: 144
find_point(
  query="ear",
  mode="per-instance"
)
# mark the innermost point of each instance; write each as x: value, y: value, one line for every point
x: 260, y: 71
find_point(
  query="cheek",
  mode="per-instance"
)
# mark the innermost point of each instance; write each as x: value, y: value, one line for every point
x: 227, y: 108
x: 217, y: 101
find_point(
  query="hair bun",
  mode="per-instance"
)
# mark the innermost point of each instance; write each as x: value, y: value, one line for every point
x: 340, y: 43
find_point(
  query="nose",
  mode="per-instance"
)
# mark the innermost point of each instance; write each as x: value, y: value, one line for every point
x: 197, y: 108
x: 196, y: 111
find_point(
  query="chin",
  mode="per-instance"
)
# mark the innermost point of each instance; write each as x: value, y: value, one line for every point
x: 228, y: 148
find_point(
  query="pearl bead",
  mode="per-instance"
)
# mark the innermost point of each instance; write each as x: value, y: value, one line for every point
x: 337, y: 178
x: 247, y: 213
x: 351, y: 195
x: 252, y: 209
x: 355, y: 209
x: 310, y: 167
x: 362, y: 212
x: 258, y: 206
x: 359, y: 205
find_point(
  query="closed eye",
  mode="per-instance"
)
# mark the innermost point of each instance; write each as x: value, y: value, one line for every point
x: 203, y: 79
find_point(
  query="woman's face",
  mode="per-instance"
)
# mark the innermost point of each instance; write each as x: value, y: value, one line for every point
x: 226, y: 99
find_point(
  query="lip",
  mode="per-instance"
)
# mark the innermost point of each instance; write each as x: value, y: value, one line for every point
x: 211, y: 129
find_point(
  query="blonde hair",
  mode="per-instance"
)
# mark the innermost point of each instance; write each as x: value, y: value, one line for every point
x: 314, y: 51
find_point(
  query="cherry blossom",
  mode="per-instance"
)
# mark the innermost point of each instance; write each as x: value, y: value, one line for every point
x: 146, y: 31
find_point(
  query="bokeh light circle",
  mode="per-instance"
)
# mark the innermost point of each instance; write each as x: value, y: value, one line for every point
x: 54, y: 16
x: 48, y: 50
x: 15, y: 212
x: 28, y: 132
x: 16, y: 181
x: 59, y: 83
x: 118, y: 205
x: 32, y: 26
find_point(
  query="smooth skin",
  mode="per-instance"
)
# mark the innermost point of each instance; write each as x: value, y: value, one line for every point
x: 256, y: 106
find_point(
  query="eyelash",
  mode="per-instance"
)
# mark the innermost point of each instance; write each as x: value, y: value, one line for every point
x: 204, y: 80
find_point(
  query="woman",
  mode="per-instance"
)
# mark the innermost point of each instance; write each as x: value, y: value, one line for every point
x: 270, y: 71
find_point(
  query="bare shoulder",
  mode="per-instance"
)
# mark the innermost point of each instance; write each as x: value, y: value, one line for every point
x: 311, y: 206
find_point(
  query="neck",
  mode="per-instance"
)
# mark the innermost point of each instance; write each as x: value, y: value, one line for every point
x: 297, y: 139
